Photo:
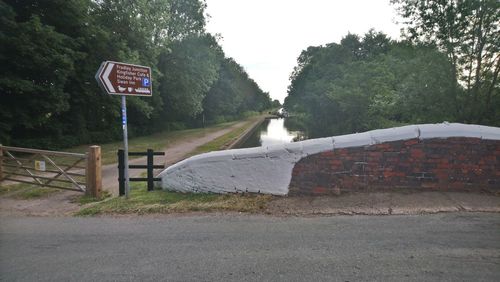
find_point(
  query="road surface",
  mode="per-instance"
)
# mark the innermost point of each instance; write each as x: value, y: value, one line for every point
x: 439, y: 247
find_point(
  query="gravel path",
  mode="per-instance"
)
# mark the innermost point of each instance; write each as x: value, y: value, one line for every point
x: 174, y: 153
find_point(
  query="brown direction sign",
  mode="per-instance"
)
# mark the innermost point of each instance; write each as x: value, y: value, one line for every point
x: 124, y: 79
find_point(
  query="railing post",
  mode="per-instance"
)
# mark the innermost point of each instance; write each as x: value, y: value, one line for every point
x: 121, y: 172
x: 150, y: 163
x: 1, y: 162
x: 94, y: 177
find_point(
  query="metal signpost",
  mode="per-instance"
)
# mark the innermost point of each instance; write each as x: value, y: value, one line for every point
x: 125, y: 80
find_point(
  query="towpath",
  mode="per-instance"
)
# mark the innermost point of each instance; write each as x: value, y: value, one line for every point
x: 65, y: 202
x: 174, y: 152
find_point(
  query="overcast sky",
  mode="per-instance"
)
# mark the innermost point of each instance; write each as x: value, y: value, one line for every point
x: 267, y: 36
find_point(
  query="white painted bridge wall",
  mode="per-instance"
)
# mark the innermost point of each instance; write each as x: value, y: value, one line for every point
x: 268, y: 170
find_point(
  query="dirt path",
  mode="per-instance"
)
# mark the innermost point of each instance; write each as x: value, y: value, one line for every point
x: 175, y: 152
x: 62, y: 203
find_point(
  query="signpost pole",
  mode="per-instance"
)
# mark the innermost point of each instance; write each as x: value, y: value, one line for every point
x: 125, y: 145
x: 123, y: 79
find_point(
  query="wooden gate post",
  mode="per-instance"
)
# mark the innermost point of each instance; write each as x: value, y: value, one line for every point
x: 121, y: 172
x: 94, y: 177
x: 1, y: 162
x: 150, y: 164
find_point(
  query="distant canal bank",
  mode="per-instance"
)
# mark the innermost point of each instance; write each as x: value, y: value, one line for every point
x: 271, y: 132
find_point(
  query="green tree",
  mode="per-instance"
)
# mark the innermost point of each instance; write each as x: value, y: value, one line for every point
x: 469, y: 33
x: 35, y: 62
x: 224, y: 98
x: 50, y: 51
x: 189, y: 71
x: 275, y: 104
x: 368, y: 83
x: 233, y: 94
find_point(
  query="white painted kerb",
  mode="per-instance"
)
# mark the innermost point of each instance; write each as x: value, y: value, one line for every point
x: 268, y: 170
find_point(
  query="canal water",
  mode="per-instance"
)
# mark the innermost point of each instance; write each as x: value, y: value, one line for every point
x: 271, y: 132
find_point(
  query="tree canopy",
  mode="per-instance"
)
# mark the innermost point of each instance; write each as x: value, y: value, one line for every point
x: 50, y: 51
x: 445, y: 69
x: 468, y: 32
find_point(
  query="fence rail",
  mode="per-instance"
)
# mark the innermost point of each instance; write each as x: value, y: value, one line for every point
x: 46, y: 152
x: 149, y: 166
x: 54, y: 169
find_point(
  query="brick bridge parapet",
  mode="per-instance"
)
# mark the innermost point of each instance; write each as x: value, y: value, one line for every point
x: 445, y: 164
x: 446, y: 156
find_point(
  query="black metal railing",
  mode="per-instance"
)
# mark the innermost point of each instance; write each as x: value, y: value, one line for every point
x: 149, y: 166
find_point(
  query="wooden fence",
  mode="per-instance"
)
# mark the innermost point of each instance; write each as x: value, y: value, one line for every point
x: 61, y: 170
x: 149, y: 166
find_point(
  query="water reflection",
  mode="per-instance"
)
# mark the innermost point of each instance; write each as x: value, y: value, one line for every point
x: 276, y: 133
x: 271, y: 132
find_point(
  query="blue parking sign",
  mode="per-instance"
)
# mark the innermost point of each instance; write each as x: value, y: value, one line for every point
x: 145, y: 81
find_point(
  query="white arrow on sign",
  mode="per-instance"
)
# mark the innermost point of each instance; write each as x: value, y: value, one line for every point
x: 105, y: 77
x: 117, y: 78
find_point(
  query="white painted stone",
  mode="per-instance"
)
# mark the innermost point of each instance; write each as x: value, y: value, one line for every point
x: 215, y: 156
x: 490, y: 133
x: 314, y: 146
x: 294, y: 148
x: 282, y: 152
x: 261, y: 174
x: 446, y: 130
x: 269, y: 169
x: 276, y: 151
x: 352, y: 140
x: 257, y: 152
x: 394, y: 134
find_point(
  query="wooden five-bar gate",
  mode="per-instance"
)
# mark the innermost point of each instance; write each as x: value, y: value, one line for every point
x: 62, y: 170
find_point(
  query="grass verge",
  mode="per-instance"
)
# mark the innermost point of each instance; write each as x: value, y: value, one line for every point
x: 143, y: 202
x: 86, y: 199
x: 26, y: 191
x: 225, y: 140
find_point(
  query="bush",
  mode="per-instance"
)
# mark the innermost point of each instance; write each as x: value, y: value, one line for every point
x: 247, y: 114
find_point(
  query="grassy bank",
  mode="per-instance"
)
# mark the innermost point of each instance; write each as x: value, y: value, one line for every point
x: 225, y: 140
x: 159, y: 201
x: 26, y: 191
x: 143, y: 202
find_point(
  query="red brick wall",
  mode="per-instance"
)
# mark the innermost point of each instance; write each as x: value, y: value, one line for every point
x: 444, y: 164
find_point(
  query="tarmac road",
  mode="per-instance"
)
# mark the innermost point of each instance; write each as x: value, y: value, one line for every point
x: 438, y: 247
